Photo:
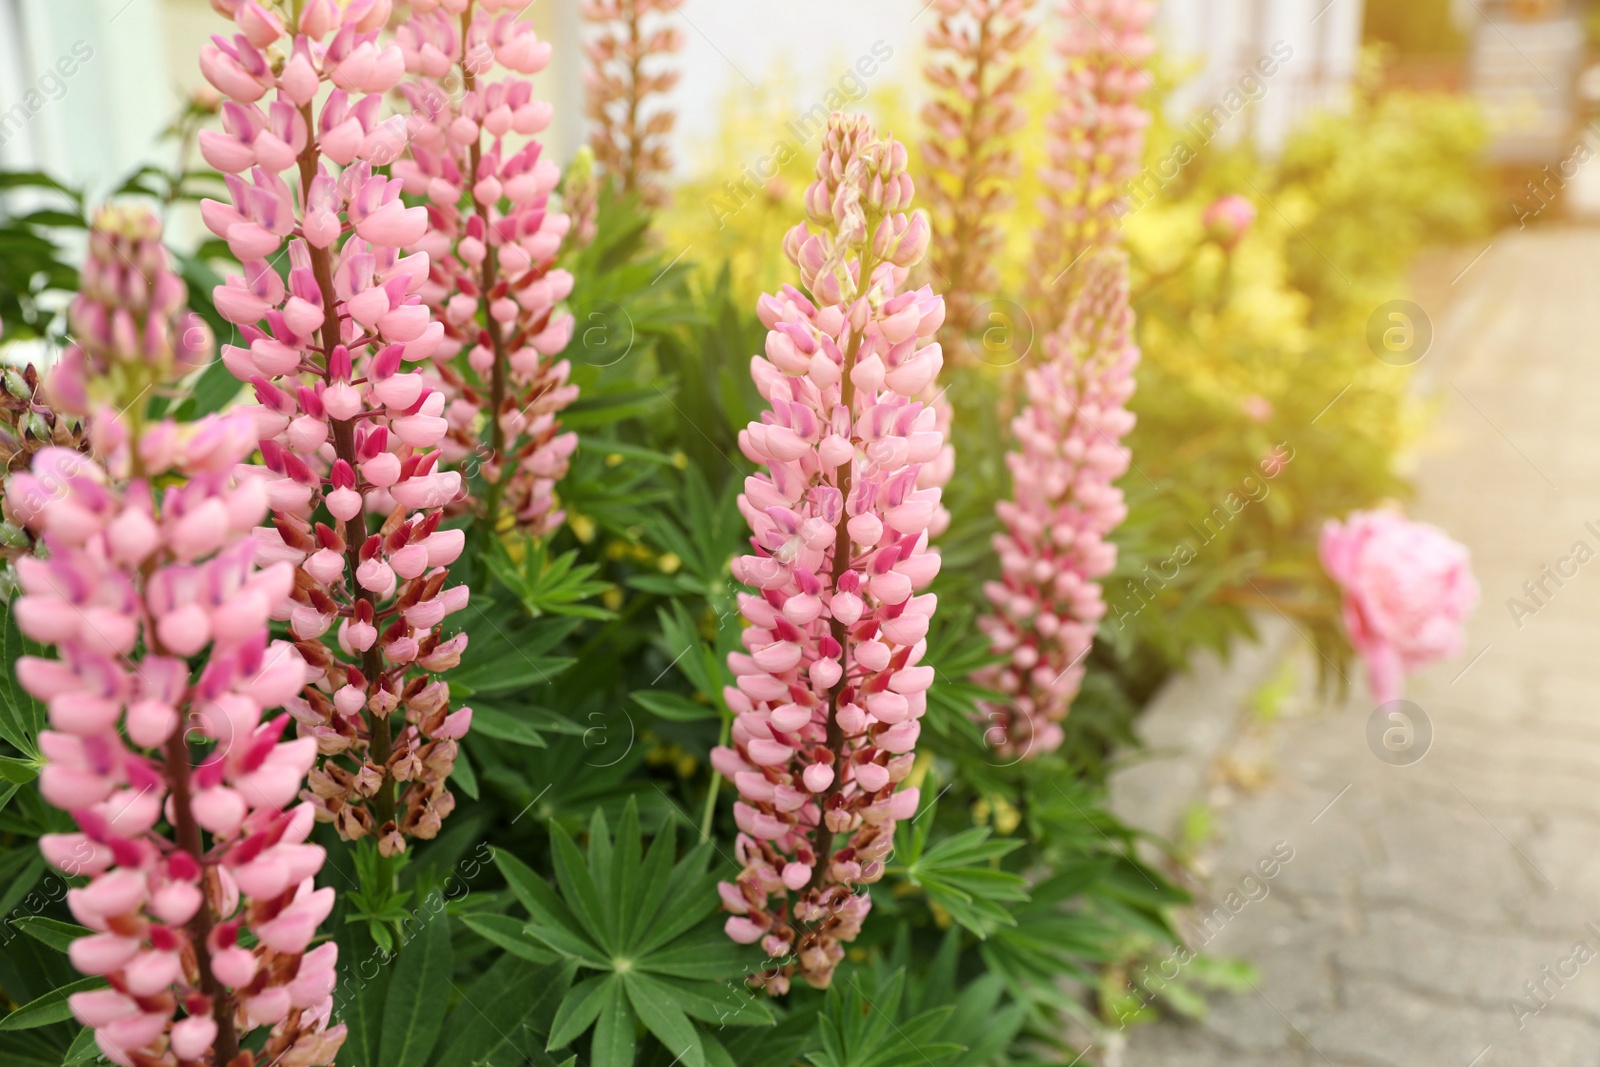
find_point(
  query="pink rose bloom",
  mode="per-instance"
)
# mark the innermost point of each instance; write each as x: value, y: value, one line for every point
x: 1407, y: 591
x: 1228, y: 219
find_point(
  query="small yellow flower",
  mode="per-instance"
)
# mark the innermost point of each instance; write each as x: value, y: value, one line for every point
x: 669, y: 563
x: 583, y: 527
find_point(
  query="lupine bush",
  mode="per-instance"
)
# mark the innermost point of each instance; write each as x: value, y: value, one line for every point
x: 719, y: 737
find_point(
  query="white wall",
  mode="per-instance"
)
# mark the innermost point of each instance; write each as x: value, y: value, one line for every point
x: 85, y: 88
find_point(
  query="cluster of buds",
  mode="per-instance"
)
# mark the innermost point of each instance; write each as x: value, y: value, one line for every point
x: 199, y: 941
x: 345, y: 421
x: 27, y: 425
x: 977, y: 74
x: 492, y: 242
x: 1096, y: 132
x: 830, y: 687
x: 1054, y: 551
x: 629, y: 141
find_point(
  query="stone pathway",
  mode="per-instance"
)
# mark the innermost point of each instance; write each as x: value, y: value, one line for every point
x: 1448, y: 912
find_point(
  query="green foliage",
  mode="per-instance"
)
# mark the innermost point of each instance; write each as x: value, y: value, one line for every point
x: 1014, y: 902
x: 646, y: 925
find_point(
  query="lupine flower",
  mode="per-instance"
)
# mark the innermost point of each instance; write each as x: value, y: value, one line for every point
x: 630, y: 129
x: 976, y: 73
x: 1408, y: 589
x: 1227, y: 219
x: 1096, y: 134
x: 830, y: 685
x: 27, y: 425
x: 1047, y: 603
x: 136, y: 581
x: 346, y: 420
x: 492, y: 241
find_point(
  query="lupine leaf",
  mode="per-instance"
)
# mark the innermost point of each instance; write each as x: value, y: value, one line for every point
x: 579, y: 1010
x: 365, y: 971
x: 82, y: 1050
x: 50, y: 1008
x: 415, y: 1008
x: 959, y: 874
x: 508, y: 1030
x: 623, y: 893
x: 577, y: 886
x: 613, y: 1042
x: 724, y: 1003
x: 672, y: 706
x: 858, y: 1029
x: 509, y: 934
x: 21, y: 716
x: 53, y: 932
x: 662, y: 1017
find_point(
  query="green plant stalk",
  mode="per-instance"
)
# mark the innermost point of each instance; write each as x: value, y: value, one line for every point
x: 716, y: 782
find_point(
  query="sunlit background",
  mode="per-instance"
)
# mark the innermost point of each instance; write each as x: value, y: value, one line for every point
x: 1406, y: 316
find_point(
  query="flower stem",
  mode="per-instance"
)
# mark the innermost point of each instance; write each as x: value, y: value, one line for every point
x: 487, y: 279
x: 380, y: 745
x: 840, y: 565
x: 187, y: 832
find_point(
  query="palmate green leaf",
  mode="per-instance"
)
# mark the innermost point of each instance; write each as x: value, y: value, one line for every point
x: 553, y: 922
x: 858, y: 1029
x: 463, y: 774
x: 29, y: 1048
x: 983, y: 1023
x: 959, y: 873
x: 20, y: 871
x: 506, y: 656
x: 641, y: 920
x: 415, y: 1009
x: 724, y: 1003
x: 698, y: 661
x: 547, y: 586
x: 50, y: 1008
x: 777, y: 1046
x: 578, y: 887
x: 19, y: 771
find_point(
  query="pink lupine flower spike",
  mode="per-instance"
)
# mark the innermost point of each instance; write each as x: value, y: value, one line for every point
x: 338, y: 359
x: 830, y: 685
x: 137, y: 580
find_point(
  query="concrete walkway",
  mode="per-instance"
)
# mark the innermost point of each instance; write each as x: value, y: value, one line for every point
x: 1448, y: 912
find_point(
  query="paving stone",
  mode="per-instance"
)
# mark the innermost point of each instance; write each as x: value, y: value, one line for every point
x: 1422, y: 902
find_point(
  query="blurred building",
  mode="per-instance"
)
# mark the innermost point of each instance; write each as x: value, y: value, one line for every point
x: 1524, y: 60
x: 1222, y: 49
